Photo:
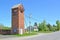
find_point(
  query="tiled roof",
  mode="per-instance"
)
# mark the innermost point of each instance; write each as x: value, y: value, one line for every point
x: 16, y: 5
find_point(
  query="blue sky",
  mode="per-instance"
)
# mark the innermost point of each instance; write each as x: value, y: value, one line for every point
x: 48, y: 10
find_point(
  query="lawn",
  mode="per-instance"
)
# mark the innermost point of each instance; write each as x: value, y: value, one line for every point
x: 28, y: 34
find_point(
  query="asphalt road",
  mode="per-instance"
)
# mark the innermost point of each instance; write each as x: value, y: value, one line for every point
x: 48, y: 36
x: 51, y: 36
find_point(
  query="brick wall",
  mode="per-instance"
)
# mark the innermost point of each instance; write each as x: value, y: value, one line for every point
x: 5, y: 31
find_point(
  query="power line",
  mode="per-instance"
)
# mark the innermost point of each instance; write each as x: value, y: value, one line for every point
x: 32, y: 18
x: 25, y: 23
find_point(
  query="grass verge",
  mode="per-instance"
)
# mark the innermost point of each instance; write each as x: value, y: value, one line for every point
x: 27, y: 34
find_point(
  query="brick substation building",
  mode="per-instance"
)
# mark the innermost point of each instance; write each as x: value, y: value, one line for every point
x: 17, y: 21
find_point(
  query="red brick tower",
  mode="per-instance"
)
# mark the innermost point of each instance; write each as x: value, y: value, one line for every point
x: 18, y: 19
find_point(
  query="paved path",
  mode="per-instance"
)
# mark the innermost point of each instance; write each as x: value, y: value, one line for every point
x: 49, y: 36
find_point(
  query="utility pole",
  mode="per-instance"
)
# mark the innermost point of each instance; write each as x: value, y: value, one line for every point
x: 30, y: 23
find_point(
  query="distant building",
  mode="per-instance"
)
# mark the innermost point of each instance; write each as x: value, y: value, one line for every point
x: 5, y: 31
x: 30, y: 28
x: 35, y: 28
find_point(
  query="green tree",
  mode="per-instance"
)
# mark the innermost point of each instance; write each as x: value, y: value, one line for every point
x: 50, y: 27
x: 45, y: 28
x: 35, y: 24
x: 54, y: 27
x: 4, y: 27
x: 40, y: 27
x: 58, y: 24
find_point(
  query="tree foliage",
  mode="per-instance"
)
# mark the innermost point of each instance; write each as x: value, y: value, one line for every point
x: 48, y: 27
x: 35, y: 24
x: 4, y: 27
x: 58, y: 24
x: 42, y: 26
